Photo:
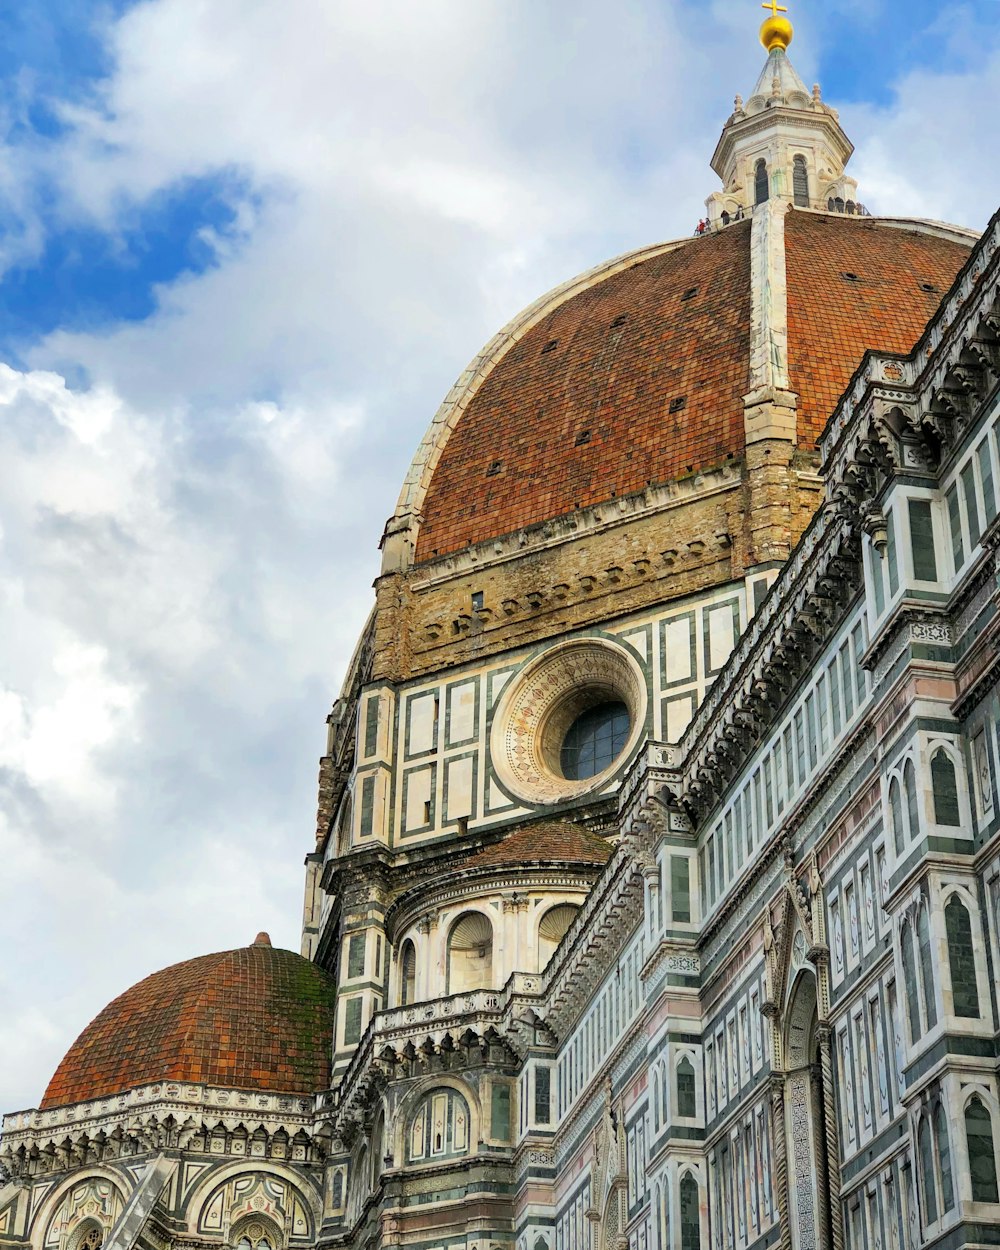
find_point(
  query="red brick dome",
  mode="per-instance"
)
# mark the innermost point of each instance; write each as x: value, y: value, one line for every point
x: 257, y: 1018
x: 635, y: 374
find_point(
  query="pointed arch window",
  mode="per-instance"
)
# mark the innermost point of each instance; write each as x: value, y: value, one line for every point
x: 690, y: 1217
x: 408, y: 974
x: 944, y: 1158
x: 800, y: 182
x: 910, y: 980
x: 961, y: 959
x: 925, y: 1157
x: 761, y: 183
x: 255, y: 1233
x: 944, y: 785
x: 686, y: 1103
x: 656, y: 1100
x: 663, y: 1217
x: 926, y: 963
x: 912, y: 807
x: 896, y: 816
x: 982, y: 1156
x: 89, y: 1237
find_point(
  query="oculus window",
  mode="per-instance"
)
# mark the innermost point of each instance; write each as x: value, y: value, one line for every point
x: 595, y: 740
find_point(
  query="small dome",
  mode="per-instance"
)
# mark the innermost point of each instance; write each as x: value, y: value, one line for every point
x: 255, y: 1019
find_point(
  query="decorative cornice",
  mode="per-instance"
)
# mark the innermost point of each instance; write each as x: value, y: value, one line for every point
x: 156, y: 1117
x: 586, y: 522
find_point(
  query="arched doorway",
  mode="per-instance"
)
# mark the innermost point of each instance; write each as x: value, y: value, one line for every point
x: 805, y: 1120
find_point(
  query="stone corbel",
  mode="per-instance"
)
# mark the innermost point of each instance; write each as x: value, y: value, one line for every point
x: 873, y: 523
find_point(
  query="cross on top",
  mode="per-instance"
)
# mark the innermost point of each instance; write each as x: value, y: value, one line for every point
x: 774, y: 7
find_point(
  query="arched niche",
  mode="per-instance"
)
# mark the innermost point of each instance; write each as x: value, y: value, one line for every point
x: 470, y: 953
x: 552, y: 929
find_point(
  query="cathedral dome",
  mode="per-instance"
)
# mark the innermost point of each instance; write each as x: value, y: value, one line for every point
x: 635, y: 374
x: 256, y: 1018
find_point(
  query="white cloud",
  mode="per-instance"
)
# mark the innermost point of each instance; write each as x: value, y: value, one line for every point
x: 187, y: 544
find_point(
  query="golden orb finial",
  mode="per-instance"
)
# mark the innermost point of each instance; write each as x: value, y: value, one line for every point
x: 776, y: 32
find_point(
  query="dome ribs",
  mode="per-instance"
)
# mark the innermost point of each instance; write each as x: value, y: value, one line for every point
x: 855, y: 283
x: 625, y: 348
x: 257, y: 1018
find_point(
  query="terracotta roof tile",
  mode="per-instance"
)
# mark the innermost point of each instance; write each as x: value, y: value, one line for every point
x: 605, y: 364
x: 834, y: 319
x: 547, y: 842
x: 255, y: 1018
x: 578, y: 411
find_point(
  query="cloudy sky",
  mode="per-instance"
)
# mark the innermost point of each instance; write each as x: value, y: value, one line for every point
x: 245, y: 247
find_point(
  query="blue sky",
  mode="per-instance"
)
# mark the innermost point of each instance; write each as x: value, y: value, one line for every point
x: 85, y: 275
x: 244, y: 251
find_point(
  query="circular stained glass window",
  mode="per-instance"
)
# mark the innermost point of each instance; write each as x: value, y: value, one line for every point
x: 595, y: 740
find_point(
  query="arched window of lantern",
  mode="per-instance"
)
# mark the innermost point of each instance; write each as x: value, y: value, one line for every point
x: 928, y: 1186
x: 407, y: 973
x: 552, y: 928
x: 800, y: 182
x: 961, y: 959
x: 838, y: 204
x: 686, y: 1101
x: 470, y: 953
x: 912, y: 806
x: 761, y: 183
x: 439, y: 1128
x: 896, y: 816
x: 944, y: 785
x: 982, y: 1154
x: 690, y: 1215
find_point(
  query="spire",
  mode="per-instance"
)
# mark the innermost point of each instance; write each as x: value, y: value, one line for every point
x: 784, y: 143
